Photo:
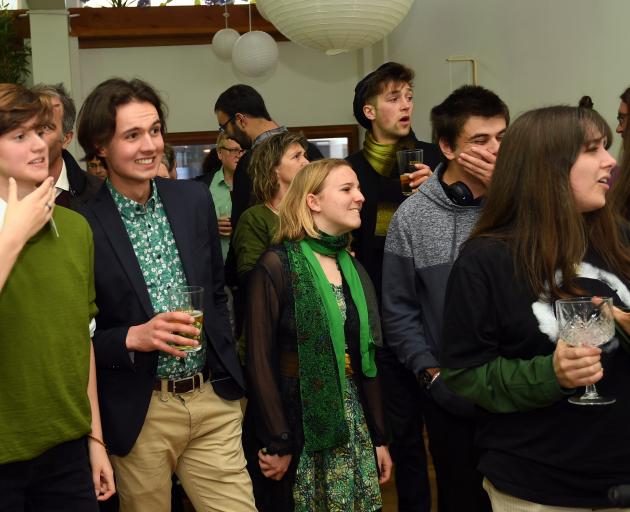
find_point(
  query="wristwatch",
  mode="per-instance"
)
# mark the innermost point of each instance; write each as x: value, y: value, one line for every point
x: 427, y: 379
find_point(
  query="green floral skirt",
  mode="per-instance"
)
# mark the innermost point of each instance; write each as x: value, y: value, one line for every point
x: 342, y: 479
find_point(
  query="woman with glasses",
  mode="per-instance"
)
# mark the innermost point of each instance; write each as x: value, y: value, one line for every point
x: 545, y: 233
x: 312, y: 326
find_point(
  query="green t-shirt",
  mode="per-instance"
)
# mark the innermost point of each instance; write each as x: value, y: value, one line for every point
x: 45, y: 310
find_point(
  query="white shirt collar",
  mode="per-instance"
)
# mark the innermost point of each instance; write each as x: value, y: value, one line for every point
x: 62, y: 182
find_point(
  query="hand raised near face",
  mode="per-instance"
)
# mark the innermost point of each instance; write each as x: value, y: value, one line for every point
x: 25, y: 217
x: 479, y: 162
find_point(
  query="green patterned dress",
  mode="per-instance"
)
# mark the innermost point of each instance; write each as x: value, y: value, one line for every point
x: 345, y: 478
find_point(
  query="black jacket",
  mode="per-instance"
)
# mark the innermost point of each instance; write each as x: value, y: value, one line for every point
x: 125, y: 386
x: 83, y: 186
x: 376, y: 188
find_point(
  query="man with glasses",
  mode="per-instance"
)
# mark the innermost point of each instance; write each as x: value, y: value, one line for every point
x: 220, y: 184
x: 243, y: 116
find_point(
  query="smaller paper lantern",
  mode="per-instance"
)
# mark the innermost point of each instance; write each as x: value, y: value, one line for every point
x: 255, y: 53
x: 223, y: 42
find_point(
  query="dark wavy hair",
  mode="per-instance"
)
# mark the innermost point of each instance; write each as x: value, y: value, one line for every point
x: 97, y: 119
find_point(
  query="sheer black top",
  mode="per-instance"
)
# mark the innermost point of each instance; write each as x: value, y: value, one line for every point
x: 270, y: 331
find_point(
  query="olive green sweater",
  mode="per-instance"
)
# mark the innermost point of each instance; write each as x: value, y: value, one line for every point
x: 45, y: 310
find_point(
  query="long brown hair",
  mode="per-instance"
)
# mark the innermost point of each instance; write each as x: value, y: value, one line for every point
x: 530, y: 203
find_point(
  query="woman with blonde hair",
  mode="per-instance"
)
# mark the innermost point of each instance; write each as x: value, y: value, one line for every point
x: 274, y: 164
x: 312, y: 326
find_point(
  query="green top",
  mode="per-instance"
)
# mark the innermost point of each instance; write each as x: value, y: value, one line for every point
x: 157, y: 254
x: 222, y: 199
x: 508, y: 385
x: 45, y: 309
x: 253, y: 236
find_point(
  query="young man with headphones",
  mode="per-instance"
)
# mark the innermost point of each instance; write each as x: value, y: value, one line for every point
x: 422, y: 243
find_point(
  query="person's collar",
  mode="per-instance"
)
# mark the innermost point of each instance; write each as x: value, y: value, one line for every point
x: 269, y: 133
x: 128, y: 208
x: 220, y: 176
x: 62, y: 182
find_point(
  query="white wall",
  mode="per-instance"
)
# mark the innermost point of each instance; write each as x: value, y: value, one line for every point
x: 307, y: 88
x: 531, y: 52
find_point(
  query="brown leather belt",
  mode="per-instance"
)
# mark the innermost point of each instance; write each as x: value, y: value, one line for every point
x: 185, y: 385
x: 290, y: 367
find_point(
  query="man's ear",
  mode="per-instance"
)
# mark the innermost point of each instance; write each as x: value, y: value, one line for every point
x: 101, y: 151
x: 67, y: 139
x: 241, y: 121
x: 449, y: 152
x: 312, y: 201
x: 369, y: 111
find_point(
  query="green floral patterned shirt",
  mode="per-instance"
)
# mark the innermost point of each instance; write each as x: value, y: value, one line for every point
x: 154, y: 245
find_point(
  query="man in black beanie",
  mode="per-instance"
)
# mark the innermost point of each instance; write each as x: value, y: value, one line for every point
x: 383, y: 105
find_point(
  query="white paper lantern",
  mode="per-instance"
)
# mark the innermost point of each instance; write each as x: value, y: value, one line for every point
x: 261, y: 11
x: 335, y: 26
x: 223, y: 42
x: 255, y: 53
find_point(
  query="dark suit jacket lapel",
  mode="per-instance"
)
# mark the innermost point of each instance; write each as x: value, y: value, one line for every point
x: 181, y: 226
x: 107, y: 214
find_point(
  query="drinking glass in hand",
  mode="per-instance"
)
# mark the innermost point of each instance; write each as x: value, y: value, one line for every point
x: 407, y: 159
x: 586, y: 322
x: 189, y: 299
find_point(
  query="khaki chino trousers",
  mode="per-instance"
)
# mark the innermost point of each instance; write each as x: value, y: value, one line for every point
x: 196, y: 435
x: 502, y: 502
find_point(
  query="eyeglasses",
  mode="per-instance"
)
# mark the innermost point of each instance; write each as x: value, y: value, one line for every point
x: 223, y: 127
x: 621, y: 118
x: 233, y: 151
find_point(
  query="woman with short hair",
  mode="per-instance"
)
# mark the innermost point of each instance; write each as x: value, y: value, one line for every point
x: 52, y: 455
x: 274, y: 164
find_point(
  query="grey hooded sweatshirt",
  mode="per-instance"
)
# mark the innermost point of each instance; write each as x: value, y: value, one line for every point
x: 423, y: 241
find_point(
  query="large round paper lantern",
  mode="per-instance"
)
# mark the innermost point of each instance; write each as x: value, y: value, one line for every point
x: 255, y: 53
x: 223, y: 42
x: 261, y: 10
x: 335, y: 26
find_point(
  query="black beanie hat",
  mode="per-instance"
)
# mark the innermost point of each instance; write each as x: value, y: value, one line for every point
x: 359, y: 97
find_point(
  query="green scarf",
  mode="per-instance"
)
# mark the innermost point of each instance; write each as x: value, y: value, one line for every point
x: 321, y: 339
x: 382, y: 157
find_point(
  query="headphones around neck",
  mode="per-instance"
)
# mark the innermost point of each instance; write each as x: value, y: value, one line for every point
x: 460, y: 194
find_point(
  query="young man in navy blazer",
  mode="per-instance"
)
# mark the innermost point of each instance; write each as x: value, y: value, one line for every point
x: 164, y: 410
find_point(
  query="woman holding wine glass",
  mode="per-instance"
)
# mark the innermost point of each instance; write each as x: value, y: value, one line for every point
x: 545, y: 234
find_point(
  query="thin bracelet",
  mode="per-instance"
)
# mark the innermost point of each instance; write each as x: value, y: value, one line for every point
x: 93, y: 438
